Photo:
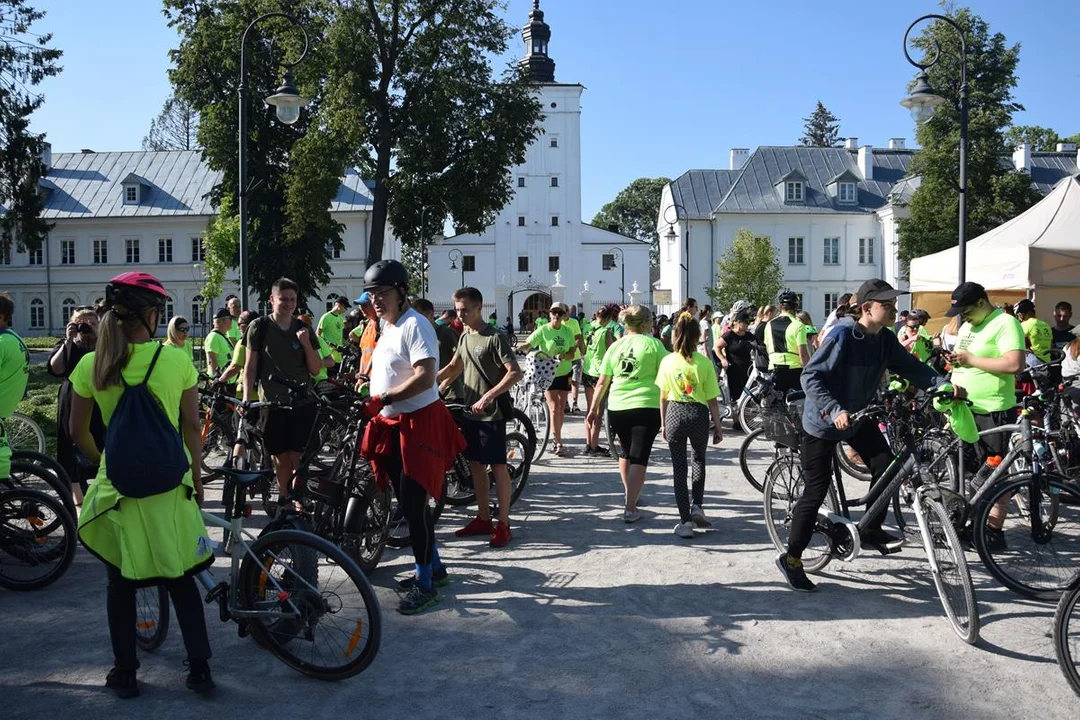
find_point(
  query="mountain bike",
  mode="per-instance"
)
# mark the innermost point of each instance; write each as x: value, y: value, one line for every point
x: 837, y: 536
x: 37, y: 538
x: 299, y: 596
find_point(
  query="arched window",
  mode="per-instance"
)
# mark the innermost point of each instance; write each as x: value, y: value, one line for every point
x: 167, y: 315
x: 198, y: 310
x: 37, y: 314
x: 330, y: 301
x: 67, y: 307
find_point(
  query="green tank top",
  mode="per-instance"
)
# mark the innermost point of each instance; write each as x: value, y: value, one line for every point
x: 594, y: 349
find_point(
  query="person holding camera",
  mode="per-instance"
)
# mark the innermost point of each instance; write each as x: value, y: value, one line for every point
x: 80, y: 338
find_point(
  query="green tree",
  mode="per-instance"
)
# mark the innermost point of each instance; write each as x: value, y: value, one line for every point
x: 995, y: 192
x: 821, y: 129
x: 175, y: 128
x: 1074, y: 139
x: 634, y: 210
x: 25, y: 60
x: 221, y: 246
x: 749, y: 270
x: 1035, y: 136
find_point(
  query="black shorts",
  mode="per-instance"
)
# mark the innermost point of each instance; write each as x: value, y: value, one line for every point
x: 636, y: 430
x: 287, y: 430
x: 589, y: 381
x: 486, y: 439
x: 562, y: 382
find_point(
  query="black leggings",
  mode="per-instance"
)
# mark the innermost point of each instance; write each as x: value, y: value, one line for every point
x: 636, y: 429
x: 188, y: 604
x: 687, y: 421
x: 413, y: 500
x: 817, y: 469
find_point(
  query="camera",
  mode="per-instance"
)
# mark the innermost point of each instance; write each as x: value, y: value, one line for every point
x: 84, y: 328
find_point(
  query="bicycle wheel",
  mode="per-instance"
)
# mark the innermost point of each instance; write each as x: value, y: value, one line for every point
x: 540, y: 415
x: 518, y: 463
x: 519, y: 422
x: 459, y: 483
x: 321, y: 615
x: 37, y: 539
x: 23, y: 433
x: 41, y: 478
x: 366, y: 546
x: 749, y: 414
x: 783, y: 488
x: 951, y: 578
x: 850, y: 463
x: 1067, y: 634
x: 756, y: 454
x: 217, y: 447
x: 1039, y: 549
x: 151, y: 616
x: 932, y: 452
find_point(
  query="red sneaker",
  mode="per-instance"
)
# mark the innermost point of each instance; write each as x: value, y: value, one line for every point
x: 502, y: 536
x: 476, y: 526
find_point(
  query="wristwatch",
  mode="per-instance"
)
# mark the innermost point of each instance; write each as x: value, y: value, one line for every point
x: 385, y: 398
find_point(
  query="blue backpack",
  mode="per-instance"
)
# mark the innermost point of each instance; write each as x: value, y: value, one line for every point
x: 144, y: 453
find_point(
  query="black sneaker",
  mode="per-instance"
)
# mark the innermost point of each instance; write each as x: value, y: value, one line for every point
x: 885, y: 543
x: 439, y: 578
x: 794, y: 573
x: 995, y: 540
x: 123, y: 683
x: 418, y: 599
x: 601, y: 451
x: 198, y: 679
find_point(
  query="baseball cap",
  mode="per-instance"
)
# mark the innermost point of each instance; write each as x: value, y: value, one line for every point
x: 1024, y: 306
x: 342, y: 301
x: 365, y: 298
x: 965, y: 295
x: 221, y: 314
x: 717, y: 315
x: 560, y: 306
x: 877, y: 289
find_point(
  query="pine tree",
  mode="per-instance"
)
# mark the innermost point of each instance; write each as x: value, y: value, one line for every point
x: 821, y: 129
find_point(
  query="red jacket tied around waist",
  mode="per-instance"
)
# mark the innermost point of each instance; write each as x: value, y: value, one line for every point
x: 429, y: 441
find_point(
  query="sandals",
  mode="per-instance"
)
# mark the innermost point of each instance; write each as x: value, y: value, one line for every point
x: 558, y: 450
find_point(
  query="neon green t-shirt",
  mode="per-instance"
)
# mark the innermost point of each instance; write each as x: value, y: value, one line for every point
x: 595, y: 350
x: 14, y: 371
x: 998, y: 334
x: 559, y: 342
x: 324, y: 352
x: 683, y: 381
x: 233, y: 333
x: 217, y: 345
x: 239, y: 354
x: 541, y: 321
x: 187, y: 347
x: 332, y: 328
x: 632, y: 363
x: 574, y: 325
x: 1039, y: 336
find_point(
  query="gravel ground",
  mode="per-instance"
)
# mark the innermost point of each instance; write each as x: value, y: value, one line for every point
x: 583, y: 616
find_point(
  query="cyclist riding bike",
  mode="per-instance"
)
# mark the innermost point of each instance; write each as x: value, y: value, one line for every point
x: 841, y: 379
x: 787, y: 343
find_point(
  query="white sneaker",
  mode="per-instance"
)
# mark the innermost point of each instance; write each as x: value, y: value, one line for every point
x: 685, y: 530
x: 631, y: 516
x: 697, y: 516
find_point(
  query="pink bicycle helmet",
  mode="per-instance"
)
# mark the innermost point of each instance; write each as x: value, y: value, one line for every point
x: 135, y: 290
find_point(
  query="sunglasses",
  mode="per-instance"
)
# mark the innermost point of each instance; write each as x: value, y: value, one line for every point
x: 556, y: 312
x: 183, y: 328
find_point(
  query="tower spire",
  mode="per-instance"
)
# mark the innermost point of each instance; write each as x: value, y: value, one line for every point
x: 537, y: 34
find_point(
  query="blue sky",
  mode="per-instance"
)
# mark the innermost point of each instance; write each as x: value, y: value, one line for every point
x: 669, y: 86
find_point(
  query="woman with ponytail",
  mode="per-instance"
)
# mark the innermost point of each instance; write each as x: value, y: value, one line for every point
x: 688, y: 397
x: 146, y: 529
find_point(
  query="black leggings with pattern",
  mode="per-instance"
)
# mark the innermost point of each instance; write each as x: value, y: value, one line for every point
x: 687, y: 421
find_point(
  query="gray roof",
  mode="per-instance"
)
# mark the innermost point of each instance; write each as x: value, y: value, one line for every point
x: 1049, y: 168
x: 90, y: 185
x: 699, y: 191
x: 754, y: 190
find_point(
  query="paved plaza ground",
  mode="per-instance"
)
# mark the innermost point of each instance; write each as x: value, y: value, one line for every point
x: 586, y: 617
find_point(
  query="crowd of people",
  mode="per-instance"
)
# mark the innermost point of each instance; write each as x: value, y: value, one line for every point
x: 642, y: 375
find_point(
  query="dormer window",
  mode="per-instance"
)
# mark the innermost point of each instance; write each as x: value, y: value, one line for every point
x: 131, y: 194
x: 133, y: 186
x: 794, y: 191
x: 845, y: 192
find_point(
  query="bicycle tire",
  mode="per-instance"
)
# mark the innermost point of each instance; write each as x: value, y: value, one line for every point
x: 849, y: 467
x: 519, y: 422
x: 745, y: 449
x: 217, y: 446
x: 41, y: 478
x: 540, y: 416
x: 366, y: 548
x: 24, y: 538
x: 749, y: 415
x: 782, y: 489
x: 952, y: 578
x: 1068, y: 653
x: 23, y: 433
x: 1050, y: 555
x: 459, y: 484
x: 151, y: 617
x: 305, y: 595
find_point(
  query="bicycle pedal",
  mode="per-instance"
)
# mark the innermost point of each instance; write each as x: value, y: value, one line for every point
x: 216, y: 592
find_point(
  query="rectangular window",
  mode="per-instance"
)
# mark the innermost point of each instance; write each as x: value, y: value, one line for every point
x: 555, y: 142
x: 553, y: 263
x: 794, y: 192
x: 198, y: 250
x: 131, y: 251
x: 846, y: 193
x: 831, y: 301
x: 131, y: 194
x: 795, y: 251
x: 523, y: 263
x: 554, y: 221
x: 521, y: 181
x: 866, y: 251
x: 36, y: 257
x: 521, y: 221
x: 608, y: 262
x: 37, y: 314
x: 554, y: 181
x: 67, y: 252
x: 164, y: 250
x: 332, y: 250
x: 101, y: 252
x: 831, y: 255
x: 468, y: 263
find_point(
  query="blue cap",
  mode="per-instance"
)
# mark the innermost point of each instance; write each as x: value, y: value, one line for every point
x: 365, y: 297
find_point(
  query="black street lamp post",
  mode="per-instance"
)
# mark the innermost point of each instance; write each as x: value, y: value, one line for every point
x: 923, y: 101
x: 287, y: 103
x: 670, y: 236
x: 622, y: 266
x: 455, y: 255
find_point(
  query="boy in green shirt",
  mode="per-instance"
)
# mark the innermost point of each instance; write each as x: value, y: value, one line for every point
x: 217, y: 346
x: 332, y: 326
x: 1038, y: 335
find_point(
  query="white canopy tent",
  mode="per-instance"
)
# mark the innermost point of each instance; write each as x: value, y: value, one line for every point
x: 1035, y: 254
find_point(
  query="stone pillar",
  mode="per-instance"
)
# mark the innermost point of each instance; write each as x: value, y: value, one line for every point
x: 635, y: 294
x: 558, y: 290
x: 586, y: 299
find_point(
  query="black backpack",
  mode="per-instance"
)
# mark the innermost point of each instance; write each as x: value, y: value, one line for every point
x: 144, y: 453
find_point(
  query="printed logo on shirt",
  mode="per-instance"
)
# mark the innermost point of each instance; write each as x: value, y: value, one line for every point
x: 628, y: 365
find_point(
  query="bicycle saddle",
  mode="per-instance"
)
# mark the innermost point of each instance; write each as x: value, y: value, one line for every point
x: 244, y: 478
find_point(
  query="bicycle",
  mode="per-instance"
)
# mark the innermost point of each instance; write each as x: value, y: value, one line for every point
x: 37, y: 538
x: 837, y: 536
x: 218, y: 426
x: 288, y: 589
x: 23, y: 432
x: 460, y: 490
x: 1066, y: 634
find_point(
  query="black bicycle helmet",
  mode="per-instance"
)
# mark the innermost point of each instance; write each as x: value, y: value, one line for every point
x: 788, y: 297
x: 386, y: 272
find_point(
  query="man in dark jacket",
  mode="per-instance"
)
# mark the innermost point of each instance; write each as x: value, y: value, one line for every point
x: 841, y: 379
